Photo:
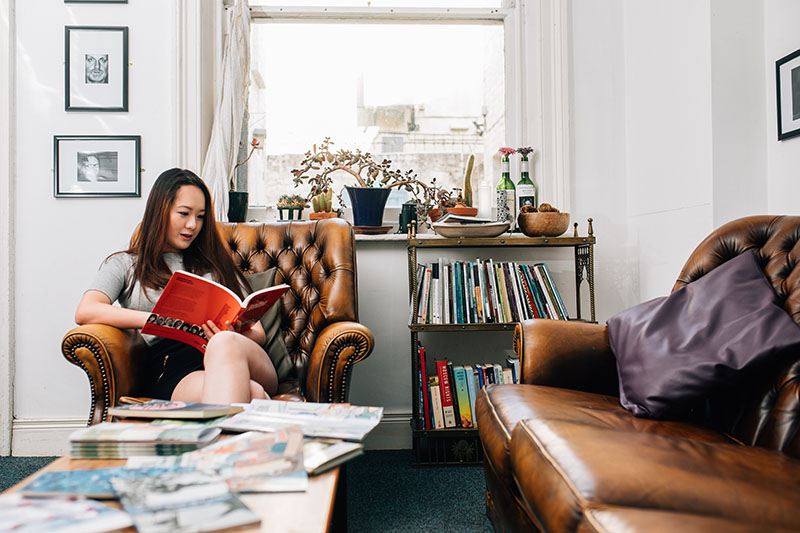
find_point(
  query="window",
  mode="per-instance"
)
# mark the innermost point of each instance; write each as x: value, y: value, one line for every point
x: 424, y: 95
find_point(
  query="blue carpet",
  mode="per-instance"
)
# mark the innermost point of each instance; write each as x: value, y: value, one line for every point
x: 384, y: 493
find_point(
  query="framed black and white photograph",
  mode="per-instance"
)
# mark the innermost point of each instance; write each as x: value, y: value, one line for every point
x: 102, y: 165
x: 96, y: 68
x: 787, y: 70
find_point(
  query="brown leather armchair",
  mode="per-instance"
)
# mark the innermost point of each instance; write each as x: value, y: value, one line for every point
x: 561, y: 454
x: 319, y: 315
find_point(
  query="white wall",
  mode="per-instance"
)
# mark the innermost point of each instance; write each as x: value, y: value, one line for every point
x: 60, y: 242
x: 781, y: 38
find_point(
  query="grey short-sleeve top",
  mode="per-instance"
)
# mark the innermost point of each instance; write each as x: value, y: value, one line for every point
x: 114, y: 277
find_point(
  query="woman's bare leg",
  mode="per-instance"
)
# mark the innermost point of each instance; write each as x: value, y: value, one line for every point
x: 231, y: 361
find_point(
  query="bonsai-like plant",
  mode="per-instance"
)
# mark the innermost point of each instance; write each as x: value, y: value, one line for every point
x: 320, y: 162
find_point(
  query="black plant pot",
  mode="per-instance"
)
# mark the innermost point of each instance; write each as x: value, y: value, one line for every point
x: 368, y: 204
x: 237, y: 206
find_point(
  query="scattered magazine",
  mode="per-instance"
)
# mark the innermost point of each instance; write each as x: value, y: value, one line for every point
x: 331, y: 420
x: 320, y: 455
x: 182, y: 502
x: 188, y: 301
x: 250, y: 462
x: 114, y: 440
x: 89, y: 483
x: 173, y: 409
x: 64, y: 515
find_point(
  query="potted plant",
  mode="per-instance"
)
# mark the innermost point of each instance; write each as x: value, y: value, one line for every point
x: 290, y: 206
x: 323, y: 206
x: 237, y: 200
x: 374, y: 179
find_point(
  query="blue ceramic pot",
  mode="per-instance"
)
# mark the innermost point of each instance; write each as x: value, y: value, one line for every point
x: 368, y: 204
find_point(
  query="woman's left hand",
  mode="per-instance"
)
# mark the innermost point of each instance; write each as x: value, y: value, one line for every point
x: 211, y: 329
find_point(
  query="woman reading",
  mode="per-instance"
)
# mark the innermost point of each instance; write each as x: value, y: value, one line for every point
x: 178, y: 232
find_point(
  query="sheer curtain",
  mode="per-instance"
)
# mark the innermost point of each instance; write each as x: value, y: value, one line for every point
x: 223, y: 147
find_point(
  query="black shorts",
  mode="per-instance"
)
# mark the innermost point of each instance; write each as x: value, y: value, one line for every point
x: 168, y: 363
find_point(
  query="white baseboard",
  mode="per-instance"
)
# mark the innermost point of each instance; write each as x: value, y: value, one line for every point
x: 39, y: 436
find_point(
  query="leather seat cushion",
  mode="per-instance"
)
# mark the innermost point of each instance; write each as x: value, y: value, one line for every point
x: 563, y: 467
x: 615, y: 519
x: 500, y: 407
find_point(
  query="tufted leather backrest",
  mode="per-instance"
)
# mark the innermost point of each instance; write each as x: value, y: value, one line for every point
x: 764, y: 410
x: 317, y: 261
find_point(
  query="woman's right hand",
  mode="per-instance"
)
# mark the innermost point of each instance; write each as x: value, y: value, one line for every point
x: 211, y: 329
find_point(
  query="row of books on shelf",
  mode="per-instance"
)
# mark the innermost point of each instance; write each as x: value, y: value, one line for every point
x: 447, y: 394
x: 485, y: 291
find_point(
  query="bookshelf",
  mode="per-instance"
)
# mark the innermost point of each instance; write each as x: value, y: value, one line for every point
x: 461, y: 446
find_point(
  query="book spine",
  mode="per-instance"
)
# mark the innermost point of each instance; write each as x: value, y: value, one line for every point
x: 436, y: 295
x: 436, y: 404
x: 498, y: 373
x: 454, y: 393
x: 551, y: 308
x: 507, y: 376
x: 512, y: 362
x: 559, y: 301
x: 540, y: 313
x: 423, y: 388
x: 525, y: 284
x: 481, y: 376
x: 462, y: 393
x: 446, y: 394
x: 445, y: 278
x: 472, y: 390
x: 512, y: 304
x: 490, y: 274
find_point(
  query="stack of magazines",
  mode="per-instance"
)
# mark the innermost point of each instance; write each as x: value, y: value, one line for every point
x: 111, y: 440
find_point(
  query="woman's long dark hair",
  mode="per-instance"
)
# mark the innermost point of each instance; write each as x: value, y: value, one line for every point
x: 207, y: 253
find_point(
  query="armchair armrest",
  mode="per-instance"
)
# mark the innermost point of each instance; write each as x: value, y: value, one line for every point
x: 573, y: 355
x: 337, y: 348
x: 111, y: 358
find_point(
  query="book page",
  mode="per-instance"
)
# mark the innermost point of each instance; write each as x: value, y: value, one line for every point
x: 259, y: 303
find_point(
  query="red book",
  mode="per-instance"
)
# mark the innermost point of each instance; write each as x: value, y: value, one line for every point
x: 189, y: 301
x: 424, y: 385
x: 446, y: 392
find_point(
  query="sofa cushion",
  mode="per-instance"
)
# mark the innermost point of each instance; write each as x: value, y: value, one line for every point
x: 673, y: 350
x: 271, y: 322
x: 612, y: 519
x: 562, y: 468
x: 500, y: 407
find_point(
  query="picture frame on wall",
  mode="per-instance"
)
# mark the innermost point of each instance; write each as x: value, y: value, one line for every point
x: 95, y: 1
x: 99, y: 165
x: 787, y: 72
x: 96, y: 68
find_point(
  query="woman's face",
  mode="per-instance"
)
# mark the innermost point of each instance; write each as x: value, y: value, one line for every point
x: 185, y: 218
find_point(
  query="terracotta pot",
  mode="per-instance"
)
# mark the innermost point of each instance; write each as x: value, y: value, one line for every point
x: 322, y: 214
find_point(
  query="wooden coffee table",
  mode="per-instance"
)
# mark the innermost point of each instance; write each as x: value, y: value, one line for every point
x: 320, y: 508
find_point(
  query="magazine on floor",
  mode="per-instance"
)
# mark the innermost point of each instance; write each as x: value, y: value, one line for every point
x: 331, y: 420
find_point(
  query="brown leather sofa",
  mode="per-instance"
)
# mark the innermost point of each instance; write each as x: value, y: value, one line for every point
x: 319, y: 315
x: 561, y: 454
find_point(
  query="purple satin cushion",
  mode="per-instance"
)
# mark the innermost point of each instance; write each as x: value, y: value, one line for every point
x: 673, y: 350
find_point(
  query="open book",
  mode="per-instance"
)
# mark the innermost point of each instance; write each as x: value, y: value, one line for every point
x: 189, y: 301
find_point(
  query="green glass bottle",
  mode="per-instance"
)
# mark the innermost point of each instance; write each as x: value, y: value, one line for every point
x: 506, y: 195
x: 526, y: 188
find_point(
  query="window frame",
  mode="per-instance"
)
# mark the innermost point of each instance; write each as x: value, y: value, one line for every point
x: 537, y: 71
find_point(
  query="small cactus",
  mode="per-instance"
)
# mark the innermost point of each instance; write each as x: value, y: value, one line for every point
x: 468, y: 181
x: 323, y: 202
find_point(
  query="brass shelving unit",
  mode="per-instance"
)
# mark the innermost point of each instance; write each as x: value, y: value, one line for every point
x: 458, y: 446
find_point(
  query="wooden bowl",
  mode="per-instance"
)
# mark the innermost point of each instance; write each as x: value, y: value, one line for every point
x: 543, y: 224
x: 463, y: 211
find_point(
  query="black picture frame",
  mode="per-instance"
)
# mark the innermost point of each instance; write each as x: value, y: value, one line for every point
x: 86, y: 166
x: 787, y: 84
x: 96, y: 81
